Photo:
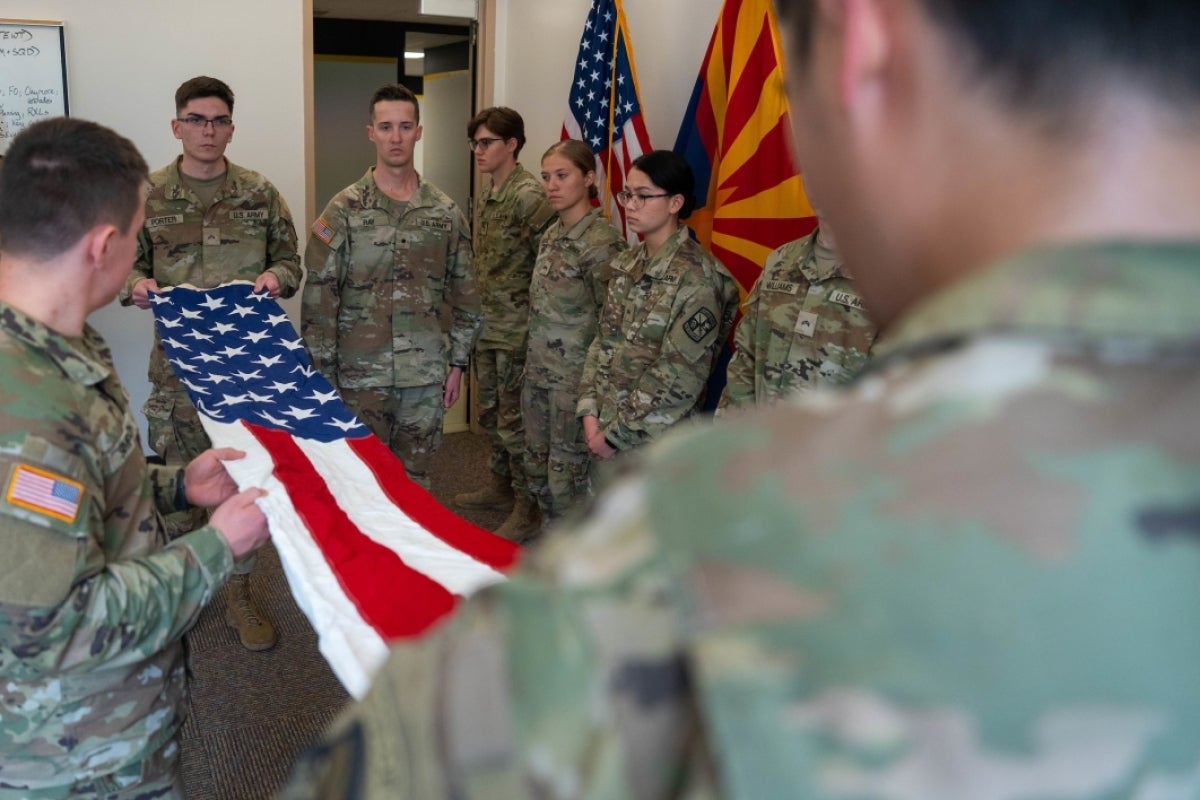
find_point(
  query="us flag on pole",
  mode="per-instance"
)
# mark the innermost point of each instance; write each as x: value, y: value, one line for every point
x: 370, y: 556
x: 604, y: 108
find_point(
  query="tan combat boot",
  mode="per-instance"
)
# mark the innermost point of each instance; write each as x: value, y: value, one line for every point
x: 253, y: 629
x: 496, y: 496
x: 523, y: 523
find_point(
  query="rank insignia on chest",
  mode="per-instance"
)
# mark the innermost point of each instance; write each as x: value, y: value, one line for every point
x: 700, y: 325
x: 44, y: 493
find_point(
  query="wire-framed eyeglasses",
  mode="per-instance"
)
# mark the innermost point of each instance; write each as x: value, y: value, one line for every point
x: 633, y: 201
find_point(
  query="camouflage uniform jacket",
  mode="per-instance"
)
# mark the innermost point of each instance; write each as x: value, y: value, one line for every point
x: 570, y: 281
x: 93, y: 600
x: 509, y: 222
x: 971, y: 575
x: 379, y: 273
x: 661, y: 329
x: 804, y: 327
x: 246, y: 231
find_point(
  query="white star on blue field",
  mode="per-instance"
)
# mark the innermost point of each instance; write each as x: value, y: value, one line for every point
x: 239, y: 358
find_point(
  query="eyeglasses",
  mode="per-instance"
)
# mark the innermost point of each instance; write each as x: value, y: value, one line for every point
x: 476, y: 145
x: 633, y: 202
x: 199, y: 123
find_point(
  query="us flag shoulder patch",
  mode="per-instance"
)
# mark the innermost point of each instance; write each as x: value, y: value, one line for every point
x: 322, y: 231
x: 44, y: 492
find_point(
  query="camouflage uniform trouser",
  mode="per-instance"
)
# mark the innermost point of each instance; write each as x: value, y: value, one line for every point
x: 177, y: 436
x: 408, y: 420
x: 153, y: 778
x: 557, y: 461
x: 500, y: 374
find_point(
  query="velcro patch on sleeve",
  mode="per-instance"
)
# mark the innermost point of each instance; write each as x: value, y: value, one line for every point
x: 44, y: 493
x: 700, y: 325
x: 322, y: 231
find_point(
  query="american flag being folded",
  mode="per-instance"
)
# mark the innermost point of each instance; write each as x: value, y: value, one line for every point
x: 370, y: 556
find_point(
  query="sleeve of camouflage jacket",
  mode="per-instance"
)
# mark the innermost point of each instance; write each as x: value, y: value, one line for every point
x: 739, y: 374
x: 166, y: 483
x: 73, y: 610
x: 536, y: 210
x: 321, y: 301
x: 568, y: 676
x: 669, y: 387
x: 462, y: 296
x: 283, y: 256
x: 142, y: 267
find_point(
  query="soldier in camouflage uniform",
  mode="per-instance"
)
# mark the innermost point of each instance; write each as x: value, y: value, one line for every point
x: 511, y: 213
x: 383, y: 258
x: 208, y: 222
x: 670, y: 306
x: 971, y: 575
x: 93, y: 598
x: 804, y: 326
x: 569, y: 283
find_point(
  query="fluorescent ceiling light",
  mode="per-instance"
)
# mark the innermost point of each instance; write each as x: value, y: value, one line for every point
x: 410, y: 54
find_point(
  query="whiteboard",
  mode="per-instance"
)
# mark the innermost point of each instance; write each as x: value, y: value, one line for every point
x: 33, y: 74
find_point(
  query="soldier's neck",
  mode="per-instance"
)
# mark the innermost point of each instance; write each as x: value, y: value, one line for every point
x: 398, y: 183
x: 202, y: 170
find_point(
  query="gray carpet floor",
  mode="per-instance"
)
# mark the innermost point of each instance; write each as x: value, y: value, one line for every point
x: 251, y: 713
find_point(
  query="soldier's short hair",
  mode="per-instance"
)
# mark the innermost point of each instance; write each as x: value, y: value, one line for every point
x: 394, y: 91
x: 1045, y: 57
x: 502, y: 121
x: 671, y: 173
x: 579, y: 154
x: 202, y: 86
x: 61, y: 178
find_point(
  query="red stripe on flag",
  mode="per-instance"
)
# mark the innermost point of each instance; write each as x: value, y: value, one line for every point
x: 394, y: 599
x: 423, y: 509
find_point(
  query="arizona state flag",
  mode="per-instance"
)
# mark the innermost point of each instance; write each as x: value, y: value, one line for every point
x: 749, y: 197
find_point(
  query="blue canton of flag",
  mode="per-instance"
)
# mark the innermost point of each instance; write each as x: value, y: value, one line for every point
x: 603, y: 108
x: 240, y: 359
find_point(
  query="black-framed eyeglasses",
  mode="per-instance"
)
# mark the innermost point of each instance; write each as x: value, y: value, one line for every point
x: 200, y: 123
x: 482, y: 143
x: 634, y: 201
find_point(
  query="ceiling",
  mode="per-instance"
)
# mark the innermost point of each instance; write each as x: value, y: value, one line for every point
x: 386, y: 10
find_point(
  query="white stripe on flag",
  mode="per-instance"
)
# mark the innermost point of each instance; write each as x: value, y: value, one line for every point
x: 358, y: 494
x: 353, y: 648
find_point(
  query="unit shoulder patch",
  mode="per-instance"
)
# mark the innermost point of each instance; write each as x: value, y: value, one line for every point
x: 700, y: 324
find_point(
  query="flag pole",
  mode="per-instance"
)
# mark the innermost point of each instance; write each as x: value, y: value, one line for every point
x: 612, y: 102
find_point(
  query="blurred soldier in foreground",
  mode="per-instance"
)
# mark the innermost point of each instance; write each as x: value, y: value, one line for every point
x: 973, y: 574
x: 804, y: 326
x: 93, y: 598
x: 208, y: 222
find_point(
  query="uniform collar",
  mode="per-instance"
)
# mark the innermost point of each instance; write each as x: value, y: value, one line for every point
x: 1143, y: 293
x: 373, y: 196
x: 79, y: 359
x: 176, y: 189
x: 506, y: 187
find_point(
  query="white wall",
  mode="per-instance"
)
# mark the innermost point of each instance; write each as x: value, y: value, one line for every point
x: 537, y: 42
x: 124, y: 62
